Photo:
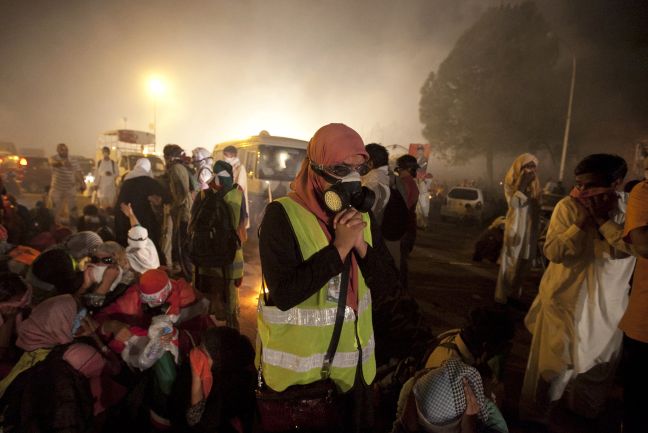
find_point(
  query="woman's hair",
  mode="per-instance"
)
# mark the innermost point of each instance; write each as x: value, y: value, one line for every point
x: 611, y: 167
x: 116, y: 251
x: 11, y: 285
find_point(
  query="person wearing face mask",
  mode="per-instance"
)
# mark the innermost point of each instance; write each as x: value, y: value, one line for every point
x: 107, y: 275
x: 317, y: 244
x: 522, y: 191
x: 582, y: 296
x: 202, y: 162
x: 220, y: 284
x: 230, y: 155
x: 182, y: 189
x: 143, y: 326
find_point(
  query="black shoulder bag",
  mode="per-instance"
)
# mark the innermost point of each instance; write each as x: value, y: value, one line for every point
x: 314, y: 407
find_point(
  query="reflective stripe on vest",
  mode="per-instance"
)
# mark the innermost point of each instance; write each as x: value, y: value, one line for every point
x: 295, y: 341
x: 307, y: 363
x: 312, y: 316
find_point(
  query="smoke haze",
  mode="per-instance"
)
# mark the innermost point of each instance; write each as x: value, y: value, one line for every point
x: 73, y: 69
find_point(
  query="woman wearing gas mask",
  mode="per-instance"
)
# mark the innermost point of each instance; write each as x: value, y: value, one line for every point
x: 320, y: 258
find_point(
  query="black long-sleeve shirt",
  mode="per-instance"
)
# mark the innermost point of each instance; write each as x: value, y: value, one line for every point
x: 291, y: 279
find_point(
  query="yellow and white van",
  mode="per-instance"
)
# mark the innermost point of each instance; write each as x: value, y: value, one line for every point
x: 271, y: 164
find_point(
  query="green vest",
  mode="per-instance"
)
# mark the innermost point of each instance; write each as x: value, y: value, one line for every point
x: 294, y: 342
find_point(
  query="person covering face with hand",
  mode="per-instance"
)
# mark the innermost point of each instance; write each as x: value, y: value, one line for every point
x: 305, y: 247
x: 582, y: 295
x: 522, y: 191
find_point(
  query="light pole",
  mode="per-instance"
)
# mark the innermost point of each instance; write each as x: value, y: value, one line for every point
x: 568, y: 119
x: 156, y: 89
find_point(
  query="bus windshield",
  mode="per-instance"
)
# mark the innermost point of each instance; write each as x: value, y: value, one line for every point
x: 279, y: 163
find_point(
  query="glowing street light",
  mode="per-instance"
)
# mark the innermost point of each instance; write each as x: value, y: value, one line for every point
x: 156, y: 88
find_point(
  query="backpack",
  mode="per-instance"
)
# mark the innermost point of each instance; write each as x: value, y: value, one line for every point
x: 50, y: 396
x: 395, y: 215
x: 213, y: 240
x: 194, y: 184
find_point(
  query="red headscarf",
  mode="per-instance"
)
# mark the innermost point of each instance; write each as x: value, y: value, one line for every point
x: 330, y: 145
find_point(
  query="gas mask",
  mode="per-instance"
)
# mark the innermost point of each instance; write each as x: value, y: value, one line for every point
x: 346, y: 192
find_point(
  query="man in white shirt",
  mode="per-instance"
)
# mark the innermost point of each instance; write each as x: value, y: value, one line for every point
x: 105, y: 176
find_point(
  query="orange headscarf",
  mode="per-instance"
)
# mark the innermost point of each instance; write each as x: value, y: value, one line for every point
x: 330, y: 145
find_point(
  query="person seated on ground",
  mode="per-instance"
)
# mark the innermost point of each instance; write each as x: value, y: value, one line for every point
x: 141, y: 252
x: 81, y: 245
x: 57, y: 383
x: 15, y: 300
x: 489, y: 244
x: 447, y: 399
x: 144, y: 324
x: 483, y: 343
x: 54, y: 272
x: 15, y: 258
x: 15, y: 218
x: 107, y: 275
x: 90, y: 220
x: 216, y: 389
x: 42, y: 218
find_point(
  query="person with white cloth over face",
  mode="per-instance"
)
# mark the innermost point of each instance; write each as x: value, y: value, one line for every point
x: 583, y: 295
x: 202, y: 162
x: 522, y: 192
x: 141, y: 252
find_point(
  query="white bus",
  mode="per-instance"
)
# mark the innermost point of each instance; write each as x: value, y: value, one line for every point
x: 271, y: 163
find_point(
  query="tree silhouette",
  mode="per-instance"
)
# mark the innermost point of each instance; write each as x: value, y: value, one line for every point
x: 497, y: 91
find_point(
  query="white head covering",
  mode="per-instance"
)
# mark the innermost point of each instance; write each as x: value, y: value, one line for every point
x: 440, y: 398
x: 141, y: 252
x: 142, y: 168
x: 200, y: 155
x: 203, y: 161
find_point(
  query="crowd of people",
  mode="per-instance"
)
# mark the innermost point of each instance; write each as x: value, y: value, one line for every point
x: 127, y: 318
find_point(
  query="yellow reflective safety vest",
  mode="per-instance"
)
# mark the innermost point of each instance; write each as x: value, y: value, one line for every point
x: 294, y: 342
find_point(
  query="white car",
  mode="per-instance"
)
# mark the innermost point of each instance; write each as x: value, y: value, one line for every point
x: 464, y: 203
